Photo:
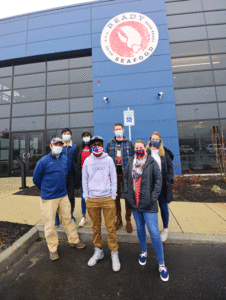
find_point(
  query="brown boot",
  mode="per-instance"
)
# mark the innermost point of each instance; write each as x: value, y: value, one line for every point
x: 118, y: 223
x: 129, y: 227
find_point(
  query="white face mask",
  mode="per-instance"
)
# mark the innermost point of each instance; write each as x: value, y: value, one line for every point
x: 66, y: 137
x: 57, y: 150
x: 118, y: 133
x: 86, y: 139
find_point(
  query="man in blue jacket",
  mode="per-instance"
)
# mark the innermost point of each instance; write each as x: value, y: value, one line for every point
x: 50, y: 177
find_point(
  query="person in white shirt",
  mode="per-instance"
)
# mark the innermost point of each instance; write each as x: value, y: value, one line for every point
x: 163, y: 157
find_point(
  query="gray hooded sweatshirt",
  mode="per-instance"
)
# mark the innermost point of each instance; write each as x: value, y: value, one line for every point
x: 99, y: 177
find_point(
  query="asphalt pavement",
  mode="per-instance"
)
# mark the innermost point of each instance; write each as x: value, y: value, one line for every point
x: 195, y: 272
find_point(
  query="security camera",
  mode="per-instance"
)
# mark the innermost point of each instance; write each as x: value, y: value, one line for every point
x: 160, y: 95
x: 105, y: 99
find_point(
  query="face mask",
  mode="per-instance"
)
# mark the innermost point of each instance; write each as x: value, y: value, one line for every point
x: 155, y: 143
x: 66, y: 137
x: 57, y: 150
x: 119, y: 133
x: 140, y: 153
x: 86, y: 139
x: 97, y: 149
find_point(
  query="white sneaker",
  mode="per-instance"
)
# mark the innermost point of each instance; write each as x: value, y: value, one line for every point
x: 116, y: 266
x: 98, y: 254
x: 82, y: 222
x: 164, y: 235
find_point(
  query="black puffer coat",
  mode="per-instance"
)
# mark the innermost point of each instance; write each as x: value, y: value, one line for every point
x: 151, y: 184
x: 167, y: 174
x: 77, y: 163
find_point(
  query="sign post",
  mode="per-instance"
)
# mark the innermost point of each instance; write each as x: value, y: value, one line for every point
x: 129, y: 120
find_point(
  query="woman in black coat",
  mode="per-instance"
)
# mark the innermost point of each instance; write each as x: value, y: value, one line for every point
x: 141, y: 188
x: 163, y: 157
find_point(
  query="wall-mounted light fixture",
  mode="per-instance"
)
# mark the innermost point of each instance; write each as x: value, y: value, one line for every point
x: 106, y: 99
x: 160, y: 95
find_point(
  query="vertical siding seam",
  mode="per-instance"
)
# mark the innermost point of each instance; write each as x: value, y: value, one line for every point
x: 26, y: 37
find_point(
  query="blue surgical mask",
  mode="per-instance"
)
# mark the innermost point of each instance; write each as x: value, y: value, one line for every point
x: 57, y: 150
x: 86, y: 139
x: 119, y: 133
x: 155, y: 143
x: 66, y: 137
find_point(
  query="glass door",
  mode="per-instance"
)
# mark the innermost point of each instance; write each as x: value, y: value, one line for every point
x: 29, y: 148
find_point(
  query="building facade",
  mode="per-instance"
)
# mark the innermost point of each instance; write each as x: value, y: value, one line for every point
x: 58, y: 66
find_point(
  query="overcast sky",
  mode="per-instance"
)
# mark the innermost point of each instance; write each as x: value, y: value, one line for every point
x: 12, y: 8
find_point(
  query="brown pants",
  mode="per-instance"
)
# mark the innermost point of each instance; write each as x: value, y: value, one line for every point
x: 94, y: 206
x: 49, y: 209
x: 118, y: 204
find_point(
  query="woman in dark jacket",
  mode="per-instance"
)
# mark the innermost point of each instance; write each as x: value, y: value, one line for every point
x: 81, y: 153
x: 163, y: 157
x: 142, y: 186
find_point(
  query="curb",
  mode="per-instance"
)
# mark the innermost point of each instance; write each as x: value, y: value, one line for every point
x: 85, y: 234
x: 17, y: 249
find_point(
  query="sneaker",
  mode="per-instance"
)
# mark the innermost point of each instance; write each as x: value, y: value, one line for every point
x: 79, y: 245
x: 164, y: 235
x: 116, y: 266
x: 54, y: 255
x: 57, y: 221
x: 164, y: 275
x: 98, y: 254
x: 73, y: 218
x: 82, y: 222
x: 143, y: 258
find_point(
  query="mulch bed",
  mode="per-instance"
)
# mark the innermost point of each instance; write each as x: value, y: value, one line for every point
x: 187, y: 189
x: 11, y: 232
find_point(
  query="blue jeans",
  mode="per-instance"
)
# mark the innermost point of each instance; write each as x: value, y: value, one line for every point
x: 83, y: 203
x: 164, y: 210
x: 151, y: 220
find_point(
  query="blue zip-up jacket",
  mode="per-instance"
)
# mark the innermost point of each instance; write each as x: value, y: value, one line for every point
x: 68, y: 150
x: 50, y: 176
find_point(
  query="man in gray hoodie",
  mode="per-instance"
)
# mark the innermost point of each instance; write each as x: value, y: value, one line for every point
x: 99, y: 182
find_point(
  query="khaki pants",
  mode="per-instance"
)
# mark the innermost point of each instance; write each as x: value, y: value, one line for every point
x: 49, y: 209
x: 94, y: 206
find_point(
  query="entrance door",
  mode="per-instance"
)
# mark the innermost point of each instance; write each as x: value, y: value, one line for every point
x: 29, y: 148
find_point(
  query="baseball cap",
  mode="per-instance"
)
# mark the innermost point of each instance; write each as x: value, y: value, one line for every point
x: 86, y: 132
x: 56, y: 140
x: 97, y: 138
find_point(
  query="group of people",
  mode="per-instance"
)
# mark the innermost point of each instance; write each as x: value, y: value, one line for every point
x: 143, y: 172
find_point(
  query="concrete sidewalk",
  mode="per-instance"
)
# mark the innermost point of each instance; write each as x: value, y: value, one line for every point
x: 188, y: 221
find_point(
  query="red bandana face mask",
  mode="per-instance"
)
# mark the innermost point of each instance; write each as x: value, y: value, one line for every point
x: 140, y: 153
x: 97, y: 149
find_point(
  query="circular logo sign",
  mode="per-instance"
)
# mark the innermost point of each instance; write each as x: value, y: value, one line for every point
x: 129, y: 38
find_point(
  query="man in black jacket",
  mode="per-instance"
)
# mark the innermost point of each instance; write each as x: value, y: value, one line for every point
x: 81, y: 153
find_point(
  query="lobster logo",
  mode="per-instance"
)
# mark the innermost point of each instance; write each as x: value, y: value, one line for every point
x: 129, y: 38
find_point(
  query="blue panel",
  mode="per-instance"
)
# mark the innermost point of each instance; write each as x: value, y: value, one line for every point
x: 60, y: 45
x: 12, y: 52
x: 59, y: 32
x: 158, y: 18
x: 162, y: 48
x: 110, y: 10
x: 163, y: 35
x: 133, y: 97
x: 8, y: 27
x: 13, y: 39
x: 108, y: 68
x: 134, y: 81
x: 59, y: 17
